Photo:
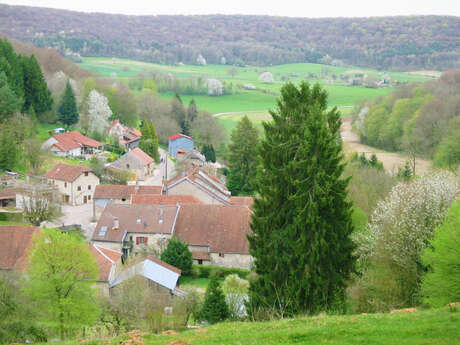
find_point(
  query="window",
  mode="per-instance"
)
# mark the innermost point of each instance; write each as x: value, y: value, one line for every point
x: 86, y: 173
x: 127, y: 166
x: 89, y: 187
x: 200, y: 262
x: 221, y: 255
x: 141, y: 240
x: 123, y: 199
x: 79, y: 188
x: 89, y: 197
x: 65, y: 184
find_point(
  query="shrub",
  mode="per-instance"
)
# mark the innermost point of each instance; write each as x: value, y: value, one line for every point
x: 178, y: 255
x: 221, y: 272
x: 215, y: 308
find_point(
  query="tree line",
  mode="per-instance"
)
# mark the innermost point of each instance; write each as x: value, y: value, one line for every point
x: 411, y: 42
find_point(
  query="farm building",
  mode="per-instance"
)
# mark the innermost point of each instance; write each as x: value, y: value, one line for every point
x: 136, y: 162
x: 180, y: 142
x: 127, y: 137
x: 72, y: 144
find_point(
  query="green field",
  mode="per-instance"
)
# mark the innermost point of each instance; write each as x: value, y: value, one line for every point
x: 429, y: 327
x: 264, y: 97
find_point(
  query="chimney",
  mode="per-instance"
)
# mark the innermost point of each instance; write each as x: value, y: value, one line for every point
x: 116, y: 224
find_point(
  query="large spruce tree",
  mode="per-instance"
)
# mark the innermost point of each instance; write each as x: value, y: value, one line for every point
x: 67, y: 110
x: 149, y: 140
x: 301, y: 222
x: 243, y: 157
x: 36, y: 92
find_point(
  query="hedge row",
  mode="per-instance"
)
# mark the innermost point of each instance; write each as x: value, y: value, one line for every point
x: 200, y: 271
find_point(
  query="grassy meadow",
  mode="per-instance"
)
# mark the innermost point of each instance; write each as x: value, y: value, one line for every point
x: 261, y: 99
x: 434, y: 326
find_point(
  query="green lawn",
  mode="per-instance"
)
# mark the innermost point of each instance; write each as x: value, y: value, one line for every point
x: 201, y: 283
x: 429, y: 327
x: 264, y: 97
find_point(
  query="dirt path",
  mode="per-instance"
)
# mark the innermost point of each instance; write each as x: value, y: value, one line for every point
x: 391, y: 161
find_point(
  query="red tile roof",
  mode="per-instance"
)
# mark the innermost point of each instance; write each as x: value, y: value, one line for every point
x: 242, y: 200
x: 15, y: 242
x: 148, y: 219
x: 156, y: 199
x: 7, y: 193
x: 66, y: 172
x: 113, y: 124
x: 222, y: 228
x: 122, y: 191
x: 141, y: 155
x: 164, y: 264
x: 105, y: 259
x: 179, y: 135
x: 74, y: 140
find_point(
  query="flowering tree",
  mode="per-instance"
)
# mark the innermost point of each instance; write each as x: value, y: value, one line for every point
x: 400, y: 229
x: 99, y: 112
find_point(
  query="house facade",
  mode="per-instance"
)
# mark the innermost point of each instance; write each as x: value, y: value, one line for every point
x: 72, y: 144
x: 136, y: 162
x: 179, y: 142
x: 216, y: 234
x: 75, y: 183
x: 108, y: 262
x: 127, y: 137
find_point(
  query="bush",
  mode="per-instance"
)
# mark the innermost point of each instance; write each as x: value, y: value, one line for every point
x: 215, y: 308
x: 178, y: 255
x: 221, y: 272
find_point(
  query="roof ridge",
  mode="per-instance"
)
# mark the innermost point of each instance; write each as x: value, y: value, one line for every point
x: 100, y: 252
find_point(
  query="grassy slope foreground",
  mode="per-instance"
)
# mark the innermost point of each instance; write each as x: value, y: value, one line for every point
x: 435, y: 326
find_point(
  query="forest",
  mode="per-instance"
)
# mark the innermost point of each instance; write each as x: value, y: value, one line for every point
x: 393, y: 43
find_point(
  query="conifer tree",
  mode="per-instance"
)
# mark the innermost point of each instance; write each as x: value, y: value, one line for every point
x: 242, y: 158
x: 215, y: 309
x: 36, y: 92
x: 67, y: 110
x: 178, y: 255
x: 10, y: 63
x: 301, y: 222
x: 149, y: 140
x: 10, y: 103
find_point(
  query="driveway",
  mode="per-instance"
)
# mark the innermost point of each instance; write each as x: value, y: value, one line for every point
x: 160, y: 171
x: 76, y: 215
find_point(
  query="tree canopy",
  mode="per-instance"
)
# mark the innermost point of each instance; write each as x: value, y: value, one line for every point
x: 178, y: 255
x: 301, y: 222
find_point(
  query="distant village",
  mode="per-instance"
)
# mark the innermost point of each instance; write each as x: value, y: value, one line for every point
x: 137, y: 219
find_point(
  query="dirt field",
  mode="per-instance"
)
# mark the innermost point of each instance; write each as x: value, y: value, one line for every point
x: 391, y: 161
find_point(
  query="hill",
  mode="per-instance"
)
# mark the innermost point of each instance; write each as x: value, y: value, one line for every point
x: 397, y: 43
x: 438, y: 326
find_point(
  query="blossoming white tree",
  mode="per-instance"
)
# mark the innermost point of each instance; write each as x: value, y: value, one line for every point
x: 99, y: 112
x: 400, y: 229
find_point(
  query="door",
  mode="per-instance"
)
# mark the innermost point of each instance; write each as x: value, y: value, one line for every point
x: 85, y: 199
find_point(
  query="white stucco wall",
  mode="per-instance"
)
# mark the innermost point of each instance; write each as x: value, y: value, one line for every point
x: 76, y: 197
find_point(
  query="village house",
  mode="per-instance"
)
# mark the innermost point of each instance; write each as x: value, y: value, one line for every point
x: 108, y: 261
x: 191, y: 157
x: 216, y: 234
x: 153, y: 274
x: 155, y: 199
x: 205, y: 187
x: 119, y: 194
x: 179, y: 142
x: 76, y: 183
x: 136, y: 162
x: 127, y: 137
x: 8, y: 197
x: 72, y: 144
x: 15, y: 242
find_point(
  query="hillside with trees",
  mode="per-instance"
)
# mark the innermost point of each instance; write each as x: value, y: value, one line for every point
x: 393, y: 43
x: 420, y: 119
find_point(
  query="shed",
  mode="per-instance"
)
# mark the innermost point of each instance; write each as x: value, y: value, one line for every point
x: 180, y: 142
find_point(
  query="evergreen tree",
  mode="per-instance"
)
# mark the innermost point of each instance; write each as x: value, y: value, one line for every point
x: 406, y: 172
x: 67, y: 110
x: 214, y: 309
x: 36, y: 92
x: 243, y: 158
x: 10, y: 63
x: 149, y: 140
x: 10, y: 103
x: 178, y: 255
x: 8, y: 148
x: 209, y: 153
x: 302, y: 221
x: 178, y: 112
x: 192, y: 113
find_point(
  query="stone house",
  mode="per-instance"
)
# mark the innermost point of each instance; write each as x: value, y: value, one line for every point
x: 179, y: 142
x: 76, y: 183
x: 108, y: 261
x: 205, y: 187
x: 72, y: 144
x: 136, y: 162
x: 216, y: 234
x: 127, y: 137
x: 8, y: 197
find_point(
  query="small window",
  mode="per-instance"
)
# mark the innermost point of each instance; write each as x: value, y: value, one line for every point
x: 65, y: 184
x: 200, y: 262
x: 89, y: 187
x: 123, y: 199
x: 79, y: 188
x: 89, y: 197
x: 221, y: 255
x: 127, y: 166
x: 86, y: 173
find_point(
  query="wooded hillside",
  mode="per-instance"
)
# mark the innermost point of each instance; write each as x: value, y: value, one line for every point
x: 398, y: 43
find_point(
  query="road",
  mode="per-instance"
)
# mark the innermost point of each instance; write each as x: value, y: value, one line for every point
x: 157, y: 179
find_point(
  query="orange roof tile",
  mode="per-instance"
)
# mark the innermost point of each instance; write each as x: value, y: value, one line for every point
x: 158, y: 199
x: 73, y: 140
x: 141, y: 155
x: 66, y: 172
x: 15, y: 242
x: 105, y: 259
